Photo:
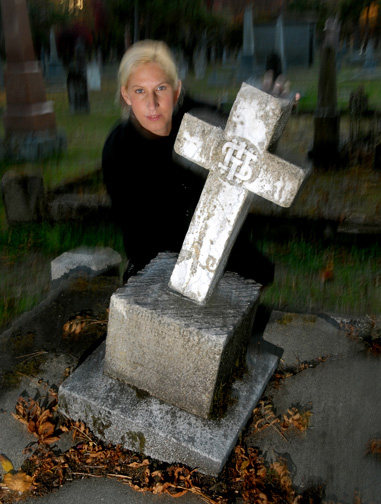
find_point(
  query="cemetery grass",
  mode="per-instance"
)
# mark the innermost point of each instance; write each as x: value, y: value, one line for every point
x: 352, y: 274
x: 310, y: 275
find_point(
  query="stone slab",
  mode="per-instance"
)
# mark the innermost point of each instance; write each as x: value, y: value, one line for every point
x: 177, y: 350
x: 93, y: 261
x: 117, y: 413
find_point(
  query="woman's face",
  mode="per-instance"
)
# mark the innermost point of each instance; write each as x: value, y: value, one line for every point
x: 151, y: 98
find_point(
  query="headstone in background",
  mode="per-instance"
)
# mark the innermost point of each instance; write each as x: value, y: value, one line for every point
x: 299, y: 42
x: 28, y: 118
x: 327, y: 119
x: 247, y: 62
x: 55, y: 69
x: 200, y: 59
x: 279, y: 43
x: 24, y: 196
x: 370, y: 61
x: 94, y: 76
x: 224, y: 58
x: 182, y: 64
x: 77, y: 82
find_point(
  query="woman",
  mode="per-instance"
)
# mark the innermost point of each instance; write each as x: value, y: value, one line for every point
x: 153, y: 197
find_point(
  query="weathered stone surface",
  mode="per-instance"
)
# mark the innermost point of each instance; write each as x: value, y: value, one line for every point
x: 24, y: 196
x: 240, y: 165
x: 117, y: 413
x: 93, y: 261
x: 173, y: 348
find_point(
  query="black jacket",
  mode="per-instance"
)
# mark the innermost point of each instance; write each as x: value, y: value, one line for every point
x: 153, y: 197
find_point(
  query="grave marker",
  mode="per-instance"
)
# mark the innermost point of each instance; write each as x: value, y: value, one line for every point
x: 187, y: 355
x: 247, y: 59
x: 240, y: 165
x: 29, y: 119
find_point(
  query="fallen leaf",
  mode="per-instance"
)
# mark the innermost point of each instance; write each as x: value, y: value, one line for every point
x: 375, y: 446
x: 6, y: 463
x: 45, y: 430
x: 18, y: 481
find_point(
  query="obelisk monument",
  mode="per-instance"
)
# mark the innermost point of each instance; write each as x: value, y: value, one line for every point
x: 29, y: 119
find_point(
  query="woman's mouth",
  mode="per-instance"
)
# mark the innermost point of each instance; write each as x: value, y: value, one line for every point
x: 153, y: 117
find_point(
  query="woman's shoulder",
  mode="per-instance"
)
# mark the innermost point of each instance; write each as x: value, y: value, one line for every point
x: 119, y: 137
x: 118, y: 131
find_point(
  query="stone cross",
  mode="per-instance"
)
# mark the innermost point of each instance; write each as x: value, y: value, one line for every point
x: 239, y: 165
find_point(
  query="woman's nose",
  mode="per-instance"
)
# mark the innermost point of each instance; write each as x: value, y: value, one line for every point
x: 152, y: 101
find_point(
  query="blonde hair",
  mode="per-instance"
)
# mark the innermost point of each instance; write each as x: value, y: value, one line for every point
x: 146, y: 51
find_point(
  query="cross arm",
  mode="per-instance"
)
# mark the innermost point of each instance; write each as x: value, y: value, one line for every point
x: 198, y: 141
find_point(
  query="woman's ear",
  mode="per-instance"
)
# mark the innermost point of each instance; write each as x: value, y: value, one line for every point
x: 123, y: 92
x: 177, y: 92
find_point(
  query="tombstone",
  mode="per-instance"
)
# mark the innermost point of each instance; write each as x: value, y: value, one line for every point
x: 179, y: 330
x: 369, y: 61
x: 93, y: 76
x: 28, y: 118
x: 224, y: 58
x: 299, y: 42
x: 77, y: 82
x: 200, y: 59
x: 55, y: 69
x: 183, y: 69
x: 279, y: 43
x: 327, y: 119
x: 24, y: 196
x: 247, y: 61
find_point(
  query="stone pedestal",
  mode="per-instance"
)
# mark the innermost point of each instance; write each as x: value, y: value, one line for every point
x: 184, y: 354
x: 177, y: 350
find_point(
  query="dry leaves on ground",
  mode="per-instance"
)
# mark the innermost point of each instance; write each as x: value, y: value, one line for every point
x: 73, y: 327
x: 265, y: 416
x: 13, y: 480
x: 246, y: 474
x: 39, y: 419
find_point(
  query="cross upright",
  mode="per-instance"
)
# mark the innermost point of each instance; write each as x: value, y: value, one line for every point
x: 240, y: 165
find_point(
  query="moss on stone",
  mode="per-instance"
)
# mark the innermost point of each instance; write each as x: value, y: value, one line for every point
x: 137, y: 438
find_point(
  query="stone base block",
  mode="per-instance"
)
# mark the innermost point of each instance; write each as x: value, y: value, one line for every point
x: 119, y: 414
x: 179, y: 351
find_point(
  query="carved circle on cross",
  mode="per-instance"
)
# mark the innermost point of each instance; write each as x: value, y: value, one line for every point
x: 240, y: 161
